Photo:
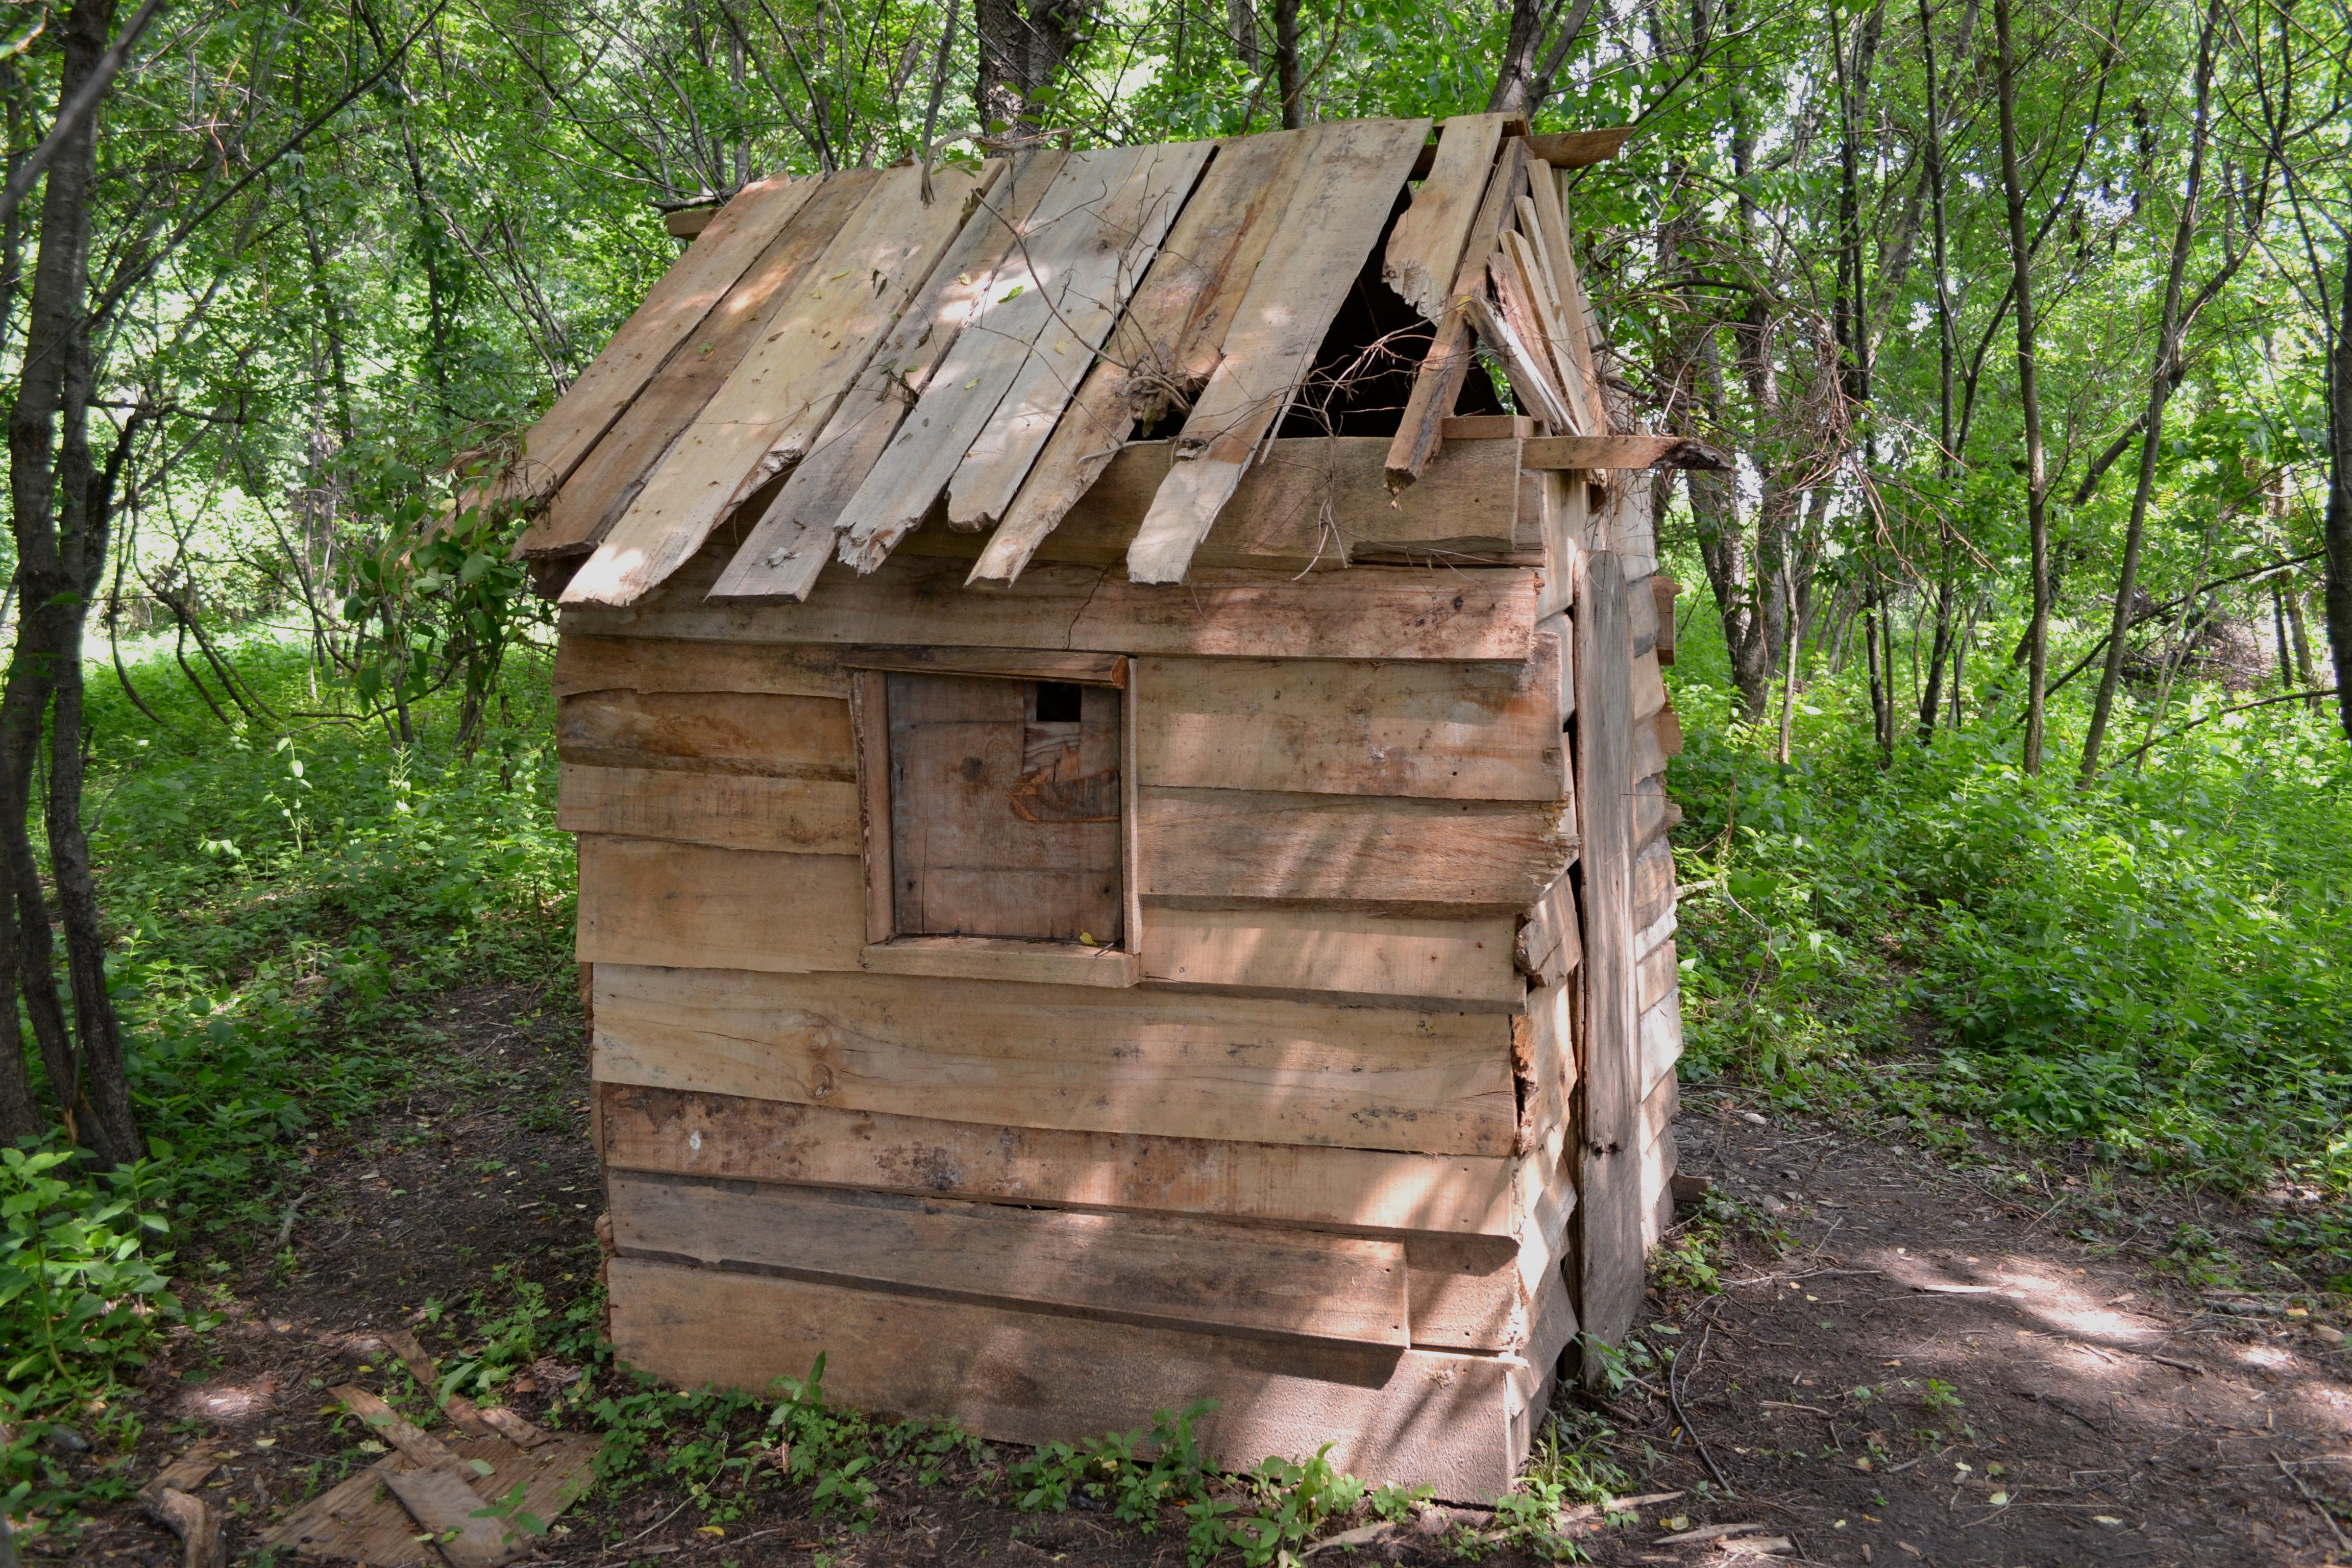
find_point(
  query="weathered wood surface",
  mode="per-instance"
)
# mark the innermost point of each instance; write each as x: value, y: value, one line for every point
x: 1580, y: 149
x: 1308, y: 503
x: 1457, y: 1423
x: 1661, y: 1031
x: 1098, y: 198
x: 1002, y: 957
x: 1533, y: 280
x: 1655, y: 975
x: 1437, y: 385
x: 1544, y: 1047
x: 1472, y: 732
x: 1168, y: 339
x: 1649, y: 686
x: 678, y: 304
x: 1592, y: 452
x: 357, y: 1519
x: 1511, y: 330
x: 1083, y: 1059
x: 1610, y: 1291
x: 601, y: 487
x: 708, y: 731
x: 1652, y: 883
x: 1666, y: 730
x: 772, y: 409
x: 1547, y: 943
x: 1396, y: 856
x: 1663, y: 590
x: 1424, y: 248
x: 1562, y: 519
x: 584, y: 664
x: 1661, y: 1157
x: 1355, y: 170
x: 794, y: 535
x: 1465, y: 961
x: 1093, y: 293
x: 653, y: 1128
x: 689, y: 906
x: 1375, y: 612
x: 1003, y: 824
x: 1117, y: 1268
x: 729, y: 811
x: 1559, y: 259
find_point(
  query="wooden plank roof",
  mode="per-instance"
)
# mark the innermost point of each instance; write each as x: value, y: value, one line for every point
x: 836, y: 359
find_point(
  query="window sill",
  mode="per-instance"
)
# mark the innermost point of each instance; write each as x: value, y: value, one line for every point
x: 1002, y: 958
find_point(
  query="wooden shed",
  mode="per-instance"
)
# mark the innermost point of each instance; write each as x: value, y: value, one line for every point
x: 1120, y: 828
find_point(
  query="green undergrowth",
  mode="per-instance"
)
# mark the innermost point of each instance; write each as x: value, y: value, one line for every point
x: 284, y: 891
x: 2147, y: 974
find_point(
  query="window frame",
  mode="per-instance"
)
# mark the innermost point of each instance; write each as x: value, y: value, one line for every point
x: 886, y: 950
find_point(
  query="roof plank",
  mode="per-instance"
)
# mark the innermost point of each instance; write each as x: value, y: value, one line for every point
x: 1168, y: 339
x: 672, y: 310
x: 1559, y: 254
x: 1425, y: 249
x: 811, y: 348
x: 789, y: 545
x: 1354, y: 172
x: 1093, y: 295
x: 601, y: 488
x: 987, y: 356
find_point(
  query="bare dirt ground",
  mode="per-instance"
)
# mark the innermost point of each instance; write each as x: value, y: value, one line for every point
x: 1905, y: 1364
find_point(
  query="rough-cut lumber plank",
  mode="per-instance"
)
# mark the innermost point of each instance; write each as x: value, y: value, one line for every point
x: 1663, y: 590
x: 1580, y: 149
x: 1548, y: 945
x: 584, y: 664
x: 1002, y: 958
x: 1438, y: 383
x: 1562, y: 522
x: 1559, y: 257
x: 1093, y: 293
x: 1354, y: 170
x: 1533, y: 281
x: 1318, y: 503
x: 712, y: 732
x: 1552, y: 1067
x: 1659, y: 1108
x: 793, y: 538
x: 1457, y: 1423
x: 1647, y: 939
x: 1655, y: 975
x: 1167, y: 342
x: 1425, y: 249
x: 413, y: 1441
x: 1211, y: 848
x: 673, y: 308
x: 645, y: 1129
x: 729, y: 811
x: 601, y: 487
x: 1022, y: 664
x: 1136, y: 1269
x: 1661, y: 1039
x: 1500, y: 331
x: 358, y: 1520
x: 690, y: 906
x: 1652, y: 883
x: 1336, y: 953
x: 1486, y: 613
x: 1649, y: 686
x: 1666, y: 729
x: 811, y: 348
x: 438, y: 1498
x: 1195, y: 1066
x: 1092, y: 192
x: 1610, y: 1286
x: 1462, y: 732
x: 1621, y: 452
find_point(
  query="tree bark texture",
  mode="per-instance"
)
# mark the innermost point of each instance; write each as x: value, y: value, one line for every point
x: 1021, y: 50
x: 2337, y: 597
x: 2037, y: 477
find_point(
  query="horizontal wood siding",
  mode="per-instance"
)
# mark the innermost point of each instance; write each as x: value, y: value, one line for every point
x: 1067, y: 1057
x: 1456, y: 731
x: 1134, y: 1269
x: 689, y: 1132
x: 1336, y: 952
x: 708, y: 731
x: 1454, y: 1422
x: 693, y: 908
x: 728, y: 811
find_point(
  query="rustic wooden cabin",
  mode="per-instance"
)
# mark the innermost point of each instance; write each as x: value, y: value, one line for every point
x: 1121, y: 839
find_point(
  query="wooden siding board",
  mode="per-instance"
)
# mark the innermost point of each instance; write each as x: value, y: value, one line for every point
x: 690, y: 1132
x: 1072, y: 1058
x: 1457, y: 1423
x: 729, y: 811
x: 709, y: 731
x: 1138, y: 1269
x: 690, y: 906
x: 1337, y: 953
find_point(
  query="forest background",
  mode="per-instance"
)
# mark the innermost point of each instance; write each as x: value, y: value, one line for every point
x: 2019, y: 797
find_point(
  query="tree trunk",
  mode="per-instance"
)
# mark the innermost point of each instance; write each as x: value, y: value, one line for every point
x: 2337, y: 595
x: 1287, y: 76
x: 2159, y: 390
x: 2029, y: 397
x: 1020, y: 53
x: 57, y: 511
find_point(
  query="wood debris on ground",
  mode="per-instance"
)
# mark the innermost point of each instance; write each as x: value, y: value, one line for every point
x: 477, y: 1499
